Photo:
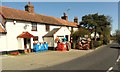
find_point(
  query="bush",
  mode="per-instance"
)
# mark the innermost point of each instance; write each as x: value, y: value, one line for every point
x: 94, y: 44
x: 97, y: 43
x: 100, y: 43
x: 91, y: 44
x: 118, y: 36
x: 112, y: 38
x: 73, y: 45
x: 105, y: 41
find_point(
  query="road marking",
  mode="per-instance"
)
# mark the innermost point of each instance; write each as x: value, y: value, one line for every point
x: 118, y: 58
x: 109, y: 69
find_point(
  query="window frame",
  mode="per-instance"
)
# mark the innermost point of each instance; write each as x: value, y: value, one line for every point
x: 35, y: 38
x: 34, y: 26
x: 47, y: 27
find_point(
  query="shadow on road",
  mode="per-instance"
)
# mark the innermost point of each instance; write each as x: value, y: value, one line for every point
x: 115, y: 47
x: 56, y: 71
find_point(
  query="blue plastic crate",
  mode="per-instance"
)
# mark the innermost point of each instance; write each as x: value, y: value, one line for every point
x: 46, y: 46
x: 40, y: 47
x: 36, y: 47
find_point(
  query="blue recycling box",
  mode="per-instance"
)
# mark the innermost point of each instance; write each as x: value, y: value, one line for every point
x: 35, y: 47
x: 40, y: 47
x: 46, y: 46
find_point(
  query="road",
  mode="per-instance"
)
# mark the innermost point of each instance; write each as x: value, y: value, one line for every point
x: 34, y: 60
x: 101, y: 59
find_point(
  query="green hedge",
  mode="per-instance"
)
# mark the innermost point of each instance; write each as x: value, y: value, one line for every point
x: 95, y: 44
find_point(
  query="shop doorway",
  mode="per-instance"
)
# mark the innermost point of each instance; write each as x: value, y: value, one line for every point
x: 27, y: 43
x: 66, y: 36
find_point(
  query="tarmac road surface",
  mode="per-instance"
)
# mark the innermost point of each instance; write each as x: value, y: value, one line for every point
x: 101, y: 59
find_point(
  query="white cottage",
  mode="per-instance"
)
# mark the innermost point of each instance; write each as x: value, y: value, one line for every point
x: 3, y: 46
x: 60, y: 33
x: 19, y: 29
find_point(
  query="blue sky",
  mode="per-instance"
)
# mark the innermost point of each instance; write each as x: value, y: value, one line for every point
x: 79, y: 9
x: 60, y: 0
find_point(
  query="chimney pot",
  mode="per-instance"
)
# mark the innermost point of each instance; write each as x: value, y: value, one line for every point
x: 65, y: 17
x: 64, y: 14
x: 29, y: 8
x: 76, y: 19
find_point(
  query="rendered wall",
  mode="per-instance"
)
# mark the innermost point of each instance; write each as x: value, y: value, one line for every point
x: 3, y: 43
x: 50, y: 41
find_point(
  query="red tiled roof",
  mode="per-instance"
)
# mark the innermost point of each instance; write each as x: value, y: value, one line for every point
x: 10, y: 13
x: 66, y: 23
x: 25, y: 35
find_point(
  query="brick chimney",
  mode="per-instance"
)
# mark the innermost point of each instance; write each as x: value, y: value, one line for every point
x: 29, y: 8
x: 65, y: 17
x: 76, y: 19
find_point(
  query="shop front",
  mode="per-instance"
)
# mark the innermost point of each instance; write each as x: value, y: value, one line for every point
x: 57, y: 35
x: 26, y: 41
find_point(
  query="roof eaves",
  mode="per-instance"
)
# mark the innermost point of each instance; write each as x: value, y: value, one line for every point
x: 51, y: 20
x: 3, y: 32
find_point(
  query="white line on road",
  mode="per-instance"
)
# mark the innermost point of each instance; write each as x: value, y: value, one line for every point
x: 109, y: 69
x: 118, y: 58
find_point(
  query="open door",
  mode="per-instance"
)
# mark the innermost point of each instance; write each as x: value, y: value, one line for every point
x: 27, y: 41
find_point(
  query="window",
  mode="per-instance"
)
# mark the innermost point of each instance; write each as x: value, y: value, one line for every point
x: 47, y: 28
x: 34, y: 26
x: 35, y: 38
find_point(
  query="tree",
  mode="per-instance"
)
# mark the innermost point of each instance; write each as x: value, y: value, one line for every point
x: 80, y: 33
x: 118, y: 36
x: 97, y: 23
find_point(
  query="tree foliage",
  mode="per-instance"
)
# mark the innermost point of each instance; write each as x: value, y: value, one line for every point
x: 118, y: 36
x: 97, y: 23
x: 81, y: 32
